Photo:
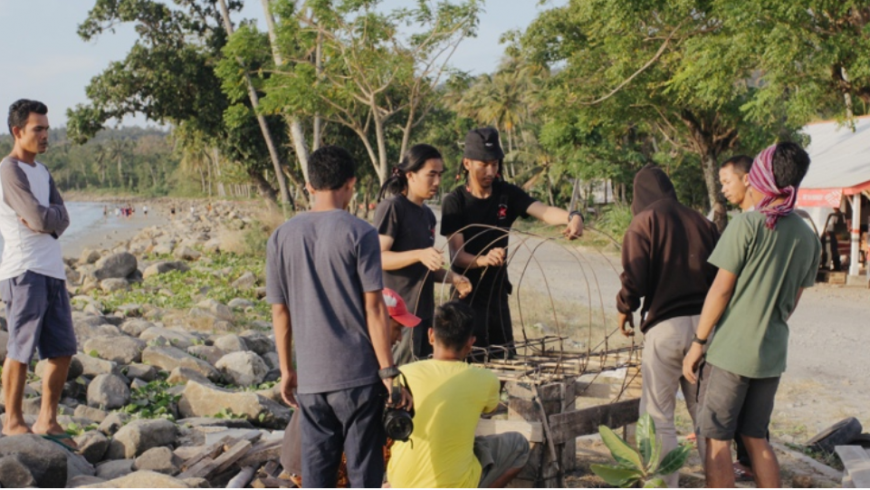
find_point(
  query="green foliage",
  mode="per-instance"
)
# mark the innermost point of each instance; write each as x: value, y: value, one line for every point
x: 227, y: 413
x: 639, y: 465
x: 74, y: 429
x: 152, y: 401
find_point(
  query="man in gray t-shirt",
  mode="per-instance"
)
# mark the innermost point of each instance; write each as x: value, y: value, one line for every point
x: 324, y: 281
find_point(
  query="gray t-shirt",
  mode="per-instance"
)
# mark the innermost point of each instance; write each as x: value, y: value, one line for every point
x: 320, y: 264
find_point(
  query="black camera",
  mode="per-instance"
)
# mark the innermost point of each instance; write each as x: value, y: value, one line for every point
x: 398, y: 422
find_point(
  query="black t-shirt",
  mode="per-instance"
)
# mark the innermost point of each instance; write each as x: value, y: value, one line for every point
x: 460, y: 209
x: 412, y: 227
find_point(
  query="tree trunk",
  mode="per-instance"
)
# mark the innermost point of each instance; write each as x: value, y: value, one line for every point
x: 381, y: 168
x: 255, y: 104
x: 297, y: 135
x: 717, y: 200
x: 318, y: 121
x: 263, y: 187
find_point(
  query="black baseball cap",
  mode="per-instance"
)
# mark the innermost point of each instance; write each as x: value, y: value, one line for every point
x: 482, y: 144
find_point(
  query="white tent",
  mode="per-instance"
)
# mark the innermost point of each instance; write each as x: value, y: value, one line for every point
x: 839, y: 169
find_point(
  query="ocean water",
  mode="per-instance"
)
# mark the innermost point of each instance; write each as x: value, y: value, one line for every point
x: 85, y: 217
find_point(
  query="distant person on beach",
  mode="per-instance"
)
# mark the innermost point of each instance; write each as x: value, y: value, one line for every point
x: 117, y: 211
x: 476, y: 219
x: 145, y: 210
x: 105, y: 211
x: 766, y: 258
x: 32, y: 276
x: 172, y: 212
x: 338, y: 323
x: 664, y: 261
x: 406, y: 228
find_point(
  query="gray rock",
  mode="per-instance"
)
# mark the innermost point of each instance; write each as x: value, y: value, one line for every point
x: 130, y: 310
x: 258, y: 342
x: 176, y: 338
x: 134, y: 327
x: 231, y: 343
x: 137, y: 384
x: 143, y: 479
x: 86, y: 412
x: 200, y: 400
x: 196, y: 482
x: 246, y: 281
x: 144, y: 372
x: 163, y: 267
x: 214, y: 422
x: 182, y: 375
x: 159, y: 459
x: 45, y: 459
x: 90, y: 326
x: 113, y: 423
x: 89, y: 256
x: 108, y: 391
x: 209, y: 353
x: 14, y: 473
x: 119, y: 265
x: 72, y: 276
x: 114, y: 284
x: 272, y: 360
x: 141, y: 435
x: 122, y: 349
x: 184, y: 252
x: 83, y: 481
x: 93, y: 445
x: 216, y: 309
x: 169, y: 358
x: 94, y: 366
x: 75, y: 369
x: 114, y: 469
x: 240, y: 303
x: 212, y: 246
x: 77, y: 465
x: 243, y: 368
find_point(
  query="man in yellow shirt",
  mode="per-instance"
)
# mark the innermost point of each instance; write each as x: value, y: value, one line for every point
x: 449, y: 396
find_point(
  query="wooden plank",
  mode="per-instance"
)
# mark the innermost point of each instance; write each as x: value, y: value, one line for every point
x: 206, y: 452
x: 262, y: 452
x: 203, y: 467
x: 568, y: 426
x: 857, y: 464
x: 269, y: 482
x: 532, y: 431
x: 233, y: 454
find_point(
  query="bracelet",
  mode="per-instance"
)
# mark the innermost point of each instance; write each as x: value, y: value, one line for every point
x: 576, y: 213
x: 389, y: 372
x: 698, y: 341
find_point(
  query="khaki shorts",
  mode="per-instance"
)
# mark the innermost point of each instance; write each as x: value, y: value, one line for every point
x: 735, y: 404
x: 498, y: 454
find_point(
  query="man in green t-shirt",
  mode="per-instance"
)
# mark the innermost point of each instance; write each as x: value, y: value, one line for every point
x: 766, y: 258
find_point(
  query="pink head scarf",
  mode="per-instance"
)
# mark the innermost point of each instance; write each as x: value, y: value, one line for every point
x: 761, y: 178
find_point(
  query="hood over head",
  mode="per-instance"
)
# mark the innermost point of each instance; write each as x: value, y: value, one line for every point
x: 651, y: 184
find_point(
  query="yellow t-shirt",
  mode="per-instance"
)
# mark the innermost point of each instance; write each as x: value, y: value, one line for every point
x: 449, y: 397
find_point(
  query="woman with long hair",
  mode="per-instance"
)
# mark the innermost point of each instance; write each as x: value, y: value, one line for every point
x: 406, y: 227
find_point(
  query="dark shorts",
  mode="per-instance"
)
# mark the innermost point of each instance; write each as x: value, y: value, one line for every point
x: 39, y: 316
x: 345, y: 420
x: 734, y: 404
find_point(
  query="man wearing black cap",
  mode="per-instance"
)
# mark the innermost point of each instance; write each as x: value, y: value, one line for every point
x: 476, y: 219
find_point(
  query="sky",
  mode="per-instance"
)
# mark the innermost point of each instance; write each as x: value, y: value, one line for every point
x: 49, y: 62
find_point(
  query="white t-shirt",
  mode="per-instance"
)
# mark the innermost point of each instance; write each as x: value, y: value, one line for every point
x: 24, y: 249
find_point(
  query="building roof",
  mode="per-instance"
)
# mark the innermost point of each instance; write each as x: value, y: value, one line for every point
x: 840, y: 158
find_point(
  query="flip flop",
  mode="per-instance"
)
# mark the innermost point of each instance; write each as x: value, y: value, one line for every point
x: 742, y: 474
x: 58, y: 439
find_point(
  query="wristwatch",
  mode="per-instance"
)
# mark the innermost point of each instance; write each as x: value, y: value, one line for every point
x: 698, y: 341
x: 576, y: 213
x: 389, y: 372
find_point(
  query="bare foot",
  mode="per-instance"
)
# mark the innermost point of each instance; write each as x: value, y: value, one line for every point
x: 15, y: 429
x: 56, y: 430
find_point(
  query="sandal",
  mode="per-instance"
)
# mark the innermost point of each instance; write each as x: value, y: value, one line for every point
x: 58, y: 439
x: 742, y: 473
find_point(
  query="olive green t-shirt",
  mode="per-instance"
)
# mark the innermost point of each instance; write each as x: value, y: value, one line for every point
x: 771, y: 266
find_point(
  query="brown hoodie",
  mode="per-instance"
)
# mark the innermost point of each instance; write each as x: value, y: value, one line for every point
x: 664, y: 253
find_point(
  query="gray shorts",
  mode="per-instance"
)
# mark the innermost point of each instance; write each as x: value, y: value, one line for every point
x: 498, y: 454
x: 734, y: 404
x: 38, y: 315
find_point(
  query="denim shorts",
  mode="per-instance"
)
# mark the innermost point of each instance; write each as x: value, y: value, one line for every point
x: 39, y: 316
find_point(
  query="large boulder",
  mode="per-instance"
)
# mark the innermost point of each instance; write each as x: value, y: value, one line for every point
x: 14, y: 473
x: 243, y: 368
x: 89, y: 256
x: 169, y: 358
x: 231, y: 343
x: 85, y: 412
x: 114, y: 284
x: 92, y: 445
x: 108, y: 391
x: 135, y: 326
x: 142, y: 479
x: 114, y: 469
x: 159, y: 459
x: 200, y: 400
x: 113, y: 423
x: 94, y: 366
x: 90, y: 326
x: 144, y: 372
x: 123, y: 349
x: 45, y: 459
x: 138, y: 436
x: 213, y: 308
x: 176, y: 338
x: 246, y: 281
x: 208, y: 353
x: 181, y: 375
x: 163, y: 267
x: 258, y: 342
x: 119, y: 265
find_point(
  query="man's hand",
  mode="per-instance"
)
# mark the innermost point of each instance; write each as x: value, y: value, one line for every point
x: 406, y: 403
x: 493, y: 258
x: 691, y: 362
x: 574, y: 229
x: 622, y: 320
x: 288, y: 387
x: 462, y: 285
x: 432, y: 258
x: 24, y: 221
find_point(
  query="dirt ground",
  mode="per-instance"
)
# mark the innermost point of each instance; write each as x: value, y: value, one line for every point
x: 827, y: 376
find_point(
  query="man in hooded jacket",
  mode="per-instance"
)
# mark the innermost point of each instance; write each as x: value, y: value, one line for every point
x: 664, y: 260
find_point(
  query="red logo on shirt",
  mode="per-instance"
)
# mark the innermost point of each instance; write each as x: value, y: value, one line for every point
x: 502, y: 211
